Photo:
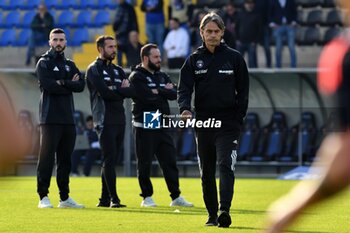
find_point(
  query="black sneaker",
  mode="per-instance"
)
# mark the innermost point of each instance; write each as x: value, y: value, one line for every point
x: 103, y: 203
x: 117, y: 205
x: 212, y: 221
x: 224, y: 219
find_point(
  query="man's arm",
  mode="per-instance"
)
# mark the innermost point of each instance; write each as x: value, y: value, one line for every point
x: 242, y: 89
x: 144, y: 93
x: 47, y: 82
x: 334, y: 158
x: 94, y: 76
x: 185, y: 87
x: 169, y: 90
x: 77, y: 83
x: 126, y: 90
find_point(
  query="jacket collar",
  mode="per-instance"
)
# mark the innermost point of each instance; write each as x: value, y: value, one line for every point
x: 53, y: 54
x: 103, y: 61
x: 218, y: 48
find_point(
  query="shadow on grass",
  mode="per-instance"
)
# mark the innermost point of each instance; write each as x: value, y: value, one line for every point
x: 173, y: 210
x: 157, y: 210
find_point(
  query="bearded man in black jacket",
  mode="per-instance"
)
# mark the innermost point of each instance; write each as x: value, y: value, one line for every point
x: 154, y: 88
x: 58, y: 79
x: 108, y: 86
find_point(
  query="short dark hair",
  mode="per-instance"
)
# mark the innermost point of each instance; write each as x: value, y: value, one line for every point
x: 212, y: 17
x: 146, y: 50
x: 88, y: 118
x: 56, y: 31
x: 100, y: 41
x: 176, y: 20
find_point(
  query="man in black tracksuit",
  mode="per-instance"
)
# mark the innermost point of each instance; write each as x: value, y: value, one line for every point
x: 108, y: 86
x: 219, y: 76
x: 58, y: 78
x: 154, y: 89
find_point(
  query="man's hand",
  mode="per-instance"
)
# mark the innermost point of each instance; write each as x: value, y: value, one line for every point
x: 186, y: 115
x: 169, y: 86
x: 154, y: 91
x: 125, y: 83
x: 75, y: 77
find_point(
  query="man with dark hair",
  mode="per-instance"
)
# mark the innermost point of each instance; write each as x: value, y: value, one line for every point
x: 219, y: 77
x: 176, y: 51
x: 108, y: 86
x: 58, y: 79
x: 154, y: 88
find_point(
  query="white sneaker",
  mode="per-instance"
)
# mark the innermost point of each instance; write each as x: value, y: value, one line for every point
x: 148, y: 202
x: 180, y: 201
x: 45, y: 203
x: 70, y: 203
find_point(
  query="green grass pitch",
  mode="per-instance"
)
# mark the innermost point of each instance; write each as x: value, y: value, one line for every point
x: 19, y: 212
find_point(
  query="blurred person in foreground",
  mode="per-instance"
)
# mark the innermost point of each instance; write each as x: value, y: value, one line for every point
x: 58, y: 79
x: 333, y: 156
x: 219, y: 77
x: 13, y: 141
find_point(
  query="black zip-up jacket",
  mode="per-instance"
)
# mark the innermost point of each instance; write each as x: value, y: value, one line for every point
x: 220, y: 81
x: 145, y: 101
x: 56, y: 101
x: 106, y: 95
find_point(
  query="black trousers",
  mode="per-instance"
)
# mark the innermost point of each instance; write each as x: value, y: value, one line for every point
x: 111, y: 138
x: 59, y: 140
x: 159, y: 143
x: 217, y: 146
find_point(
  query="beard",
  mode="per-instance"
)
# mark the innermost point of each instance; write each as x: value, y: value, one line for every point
x: 59, y: 49
x: 153, y: 66
x: 109, y: 57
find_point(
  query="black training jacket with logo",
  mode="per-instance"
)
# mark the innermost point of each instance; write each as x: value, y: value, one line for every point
x: 106, y: 95
x: 56, y: 101
x: 145, y: 101
x: 220, y: 81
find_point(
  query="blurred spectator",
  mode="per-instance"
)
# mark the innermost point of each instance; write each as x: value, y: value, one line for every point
x: 133, y: 49
x: 26, y: 126
x: 283, y: 14
x: 125, y: 22
x: 247, y: 39
x: 263, y: 7
x: 41, y: 26
x: 90, y: 155
x: 196, y: 39
x: 154, y: 21
x: 229, y: 16
x: 182, y: 10
x: 176, y: 44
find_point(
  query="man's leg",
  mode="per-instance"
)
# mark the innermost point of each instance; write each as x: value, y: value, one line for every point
x: 49, y: 137
x: 64, y: 152
x: 207, y: 165
x: 278, y: 39
x: 109, y: 153
x: 144, y: 141
x: 166, y: 155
